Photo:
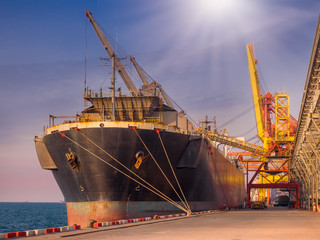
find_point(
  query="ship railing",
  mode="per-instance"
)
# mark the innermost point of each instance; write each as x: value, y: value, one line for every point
x: 52, y: 119
x: 78, y: 118
x: 89, y: 93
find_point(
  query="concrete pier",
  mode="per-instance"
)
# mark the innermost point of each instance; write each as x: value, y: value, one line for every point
x: 246, y: 224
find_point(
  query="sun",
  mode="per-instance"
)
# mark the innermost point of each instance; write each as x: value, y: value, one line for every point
x: 216, y: 5
x: 216, y: 9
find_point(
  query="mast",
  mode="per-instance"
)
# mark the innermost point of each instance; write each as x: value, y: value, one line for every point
x: 113, y: 80
x: 122, y: 72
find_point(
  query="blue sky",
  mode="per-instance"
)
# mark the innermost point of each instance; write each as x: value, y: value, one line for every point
x: 195, y: 49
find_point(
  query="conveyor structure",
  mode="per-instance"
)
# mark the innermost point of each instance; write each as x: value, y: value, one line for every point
x: 234, y: 142
x: 298, y: 142
x: 306, y: 152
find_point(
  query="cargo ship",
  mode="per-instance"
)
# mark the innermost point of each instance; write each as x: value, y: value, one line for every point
x: 134, y: 155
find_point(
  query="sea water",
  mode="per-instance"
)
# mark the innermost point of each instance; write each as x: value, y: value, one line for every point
x: 24, y: 216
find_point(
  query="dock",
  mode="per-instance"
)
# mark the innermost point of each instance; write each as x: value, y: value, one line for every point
x: 271, y: 223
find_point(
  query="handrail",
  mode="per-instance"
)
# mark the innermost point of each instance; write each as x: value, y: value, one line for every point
x: 89, y: 93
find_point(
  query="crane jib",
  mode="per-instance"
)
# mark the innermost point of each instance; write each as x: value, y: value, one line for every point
x: 103, y: 39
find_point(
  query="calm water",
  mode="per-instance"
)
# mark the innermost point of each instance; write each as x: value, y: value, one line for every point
x: 28, y: 216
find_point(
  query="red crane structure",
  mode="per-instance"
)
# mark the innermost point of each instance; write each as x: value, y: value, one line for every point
x: 276, y: 130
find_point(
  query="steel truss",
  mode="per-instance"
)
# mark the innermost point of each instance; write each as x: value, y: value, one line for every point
x: 306, y: 150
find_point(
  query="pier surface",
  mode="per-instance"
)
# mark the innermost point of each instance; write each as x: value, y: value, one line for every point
x: 271, y: 223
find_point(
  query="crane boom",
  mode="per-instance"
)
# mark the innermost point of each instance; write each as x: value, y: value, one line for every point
x: 165, y: 96
x: 122, y: 72
x: 256, y: 93
x: 150, y: 86
x: 139, y: 70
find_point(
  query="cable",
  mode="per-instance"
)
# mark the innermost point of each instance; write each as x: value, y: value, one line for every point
x: 164, y: 149
x: 120, y: 52
x: 160, y: 194
x: 245, y: 133
x: 236, y: 117
x: 159, y: 166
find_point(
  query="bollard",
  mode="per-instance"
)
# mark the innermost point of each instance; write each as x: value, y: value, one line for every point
x: 92, y: 222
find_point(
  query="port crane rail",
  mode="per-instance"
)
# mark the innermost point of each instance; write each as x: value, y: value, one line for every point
x: 306, y: 150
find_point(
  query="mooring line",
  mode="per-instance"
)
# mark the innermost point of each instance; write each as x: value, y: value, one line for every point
x: 174, y: 174
x: 158, y: 193
x: 160, y: 168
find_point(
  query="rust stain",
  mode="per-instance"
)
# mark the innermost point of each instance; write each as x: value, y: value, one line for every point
x: 102, y: 211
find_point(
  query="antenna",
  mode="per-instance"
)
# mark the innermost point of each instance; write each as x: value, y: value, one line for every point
x: 205, y: 123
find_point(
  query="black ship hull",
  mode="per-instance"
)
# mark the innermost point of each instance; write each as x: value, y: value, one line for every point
x: 95, y: 190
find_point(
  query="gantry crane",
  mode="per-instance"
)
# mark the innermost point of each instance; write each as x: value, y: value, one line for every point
x: 276, y: 130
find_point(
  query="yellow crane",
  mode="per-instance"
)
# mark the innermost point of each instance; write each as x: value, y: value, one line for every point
x: 276, y: 130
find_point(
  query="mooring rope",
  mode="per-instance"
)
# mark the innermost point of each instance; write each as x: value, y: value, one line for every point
x: 155, y: 161
x: 174, y: 174
x: 157, y: 192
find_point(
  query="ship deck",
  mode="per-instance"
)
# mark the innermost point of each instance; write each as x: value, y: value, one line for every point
x: 271, y: 223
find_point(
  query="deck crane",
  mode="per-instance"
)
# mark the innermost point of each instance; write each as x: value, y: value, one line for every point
x: 276, y: 129
x: 140, y: 72
x: 149, y: 88
x: 118, y: 65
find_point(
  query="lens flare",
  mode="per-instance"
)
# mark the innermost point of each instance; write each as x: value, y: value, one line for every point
x: 216, y: 8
